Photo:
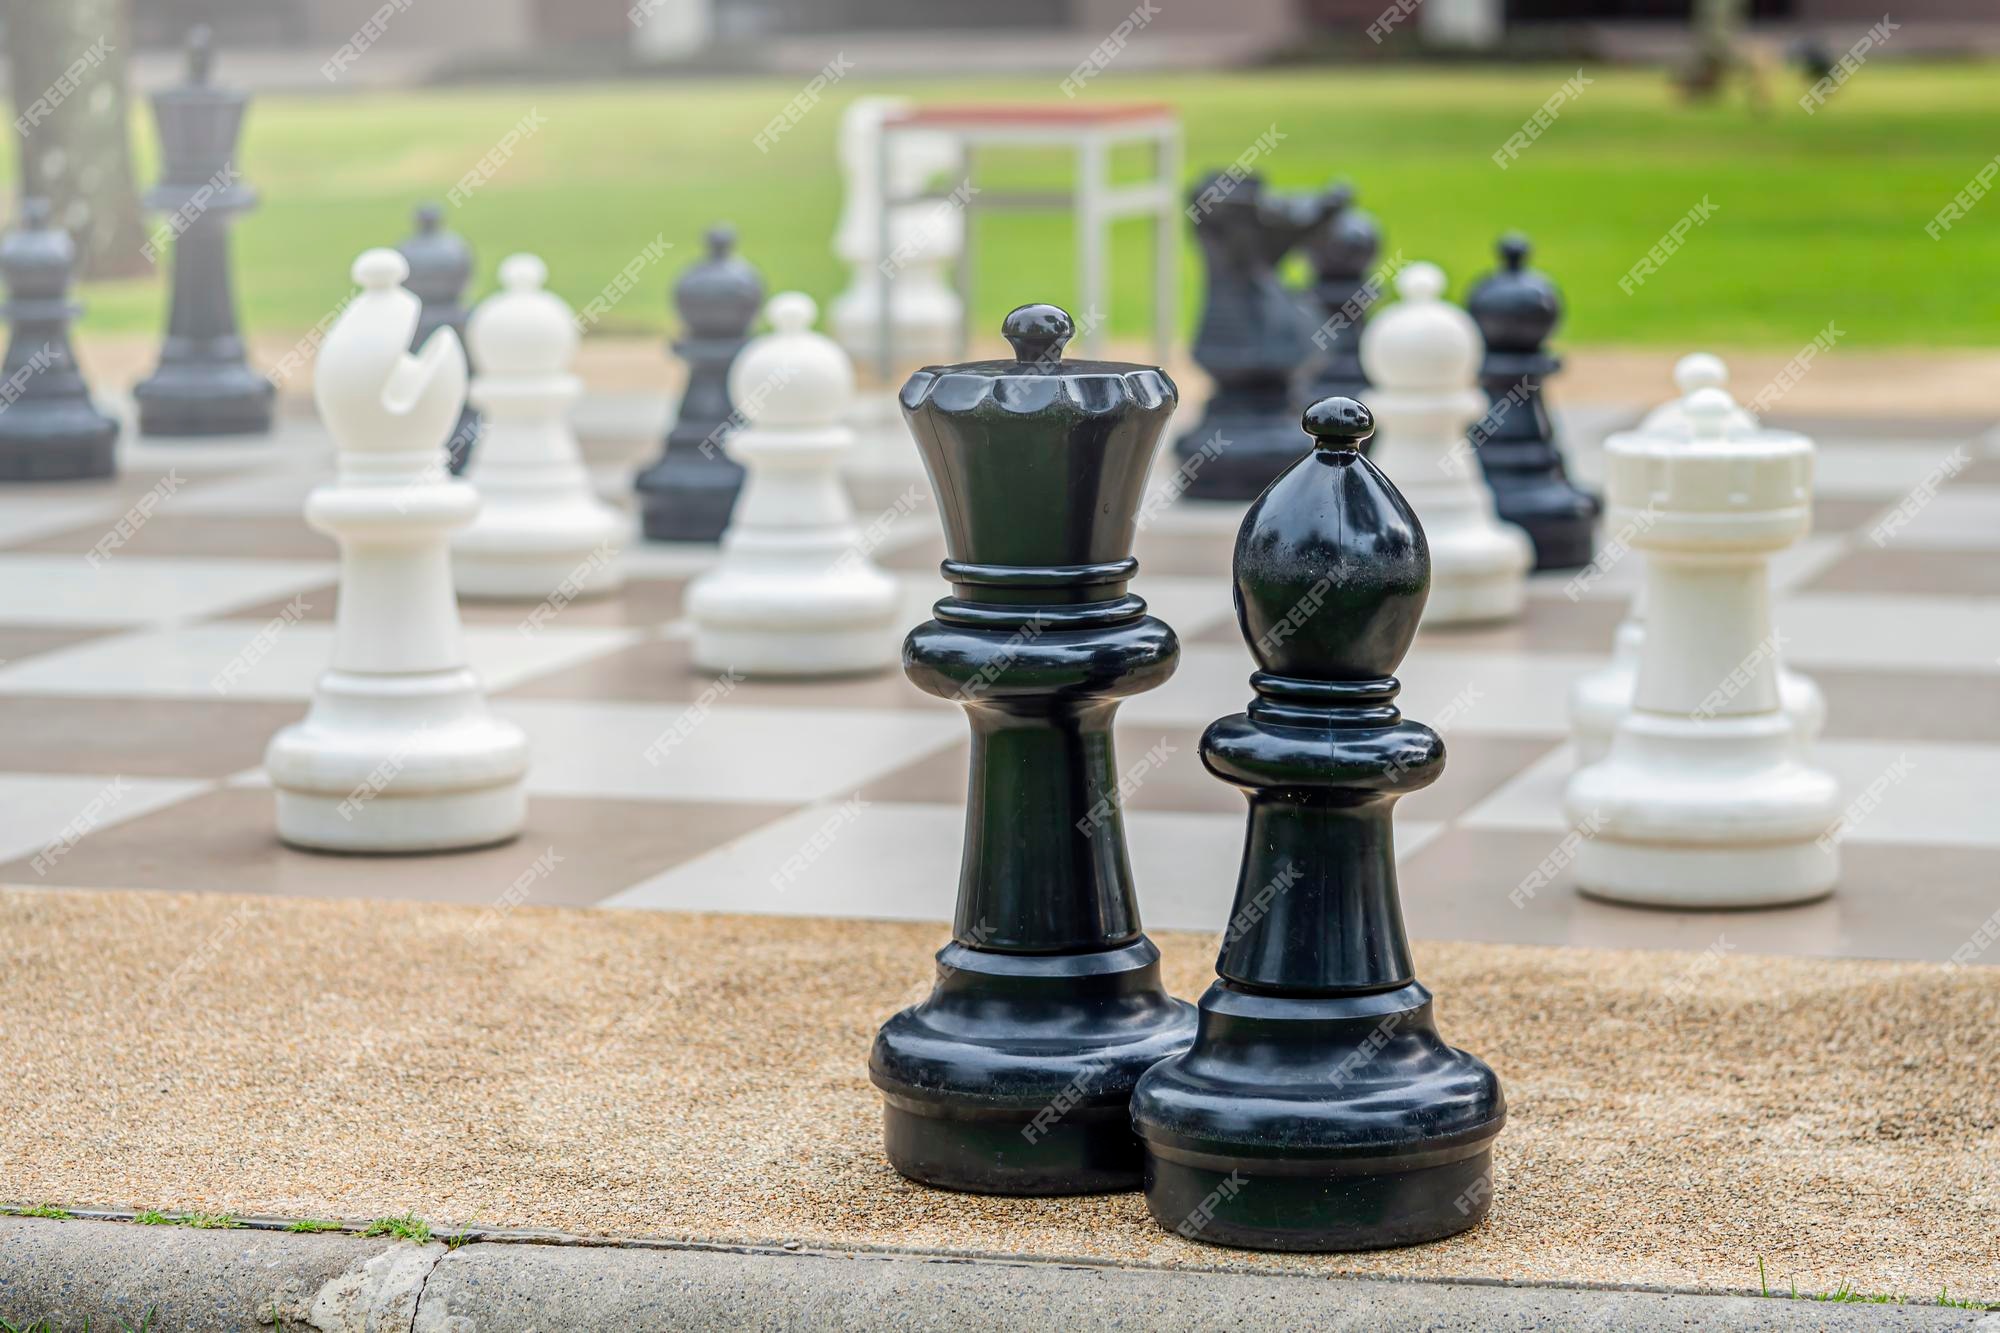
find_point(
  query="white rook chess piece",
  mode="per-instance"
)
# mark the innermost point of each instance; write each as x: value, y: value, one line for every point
x: 794, y: 593
x: 1599, y: 699
x: 1705, y: 799
x: 541, y: 533
x: 1422, y: 355
x: 398, y: 752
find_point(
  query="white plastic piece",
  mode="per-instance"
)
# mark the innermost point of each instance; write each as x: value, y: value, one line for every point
x: 398, y: 752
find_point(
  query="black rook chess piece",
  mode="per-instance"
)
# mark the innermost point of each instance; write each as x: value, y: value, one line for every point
x: 1517, y: 308
x: 1253, y: 337
x: 49, y: 428
x: 687, y: 495
x: 440, y: 267
x: 1318, y: 1109
x: 203, y: 386
x: 1014, y: 1077
x: 1342, y: 250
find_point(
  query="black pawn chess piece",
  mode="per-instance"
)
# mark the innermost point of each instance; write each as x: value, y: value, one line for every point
x: 1318, y: 1108
x: 440, y: 267
x: 1342, y: 250
x: 50, y: 430
x: 1253, y: 337
x: 203, y: 386
x: 1517, y: 308
x: 1014, y: 1076
x: 687, y: 495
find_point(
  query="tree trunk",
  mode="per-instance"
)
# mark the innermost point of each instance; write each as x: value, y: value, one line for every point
x: 66, y: 64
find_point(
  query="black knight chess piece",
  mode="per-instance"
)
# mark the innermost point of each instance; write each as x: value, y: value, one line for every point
x: 1014, y: 1077
x: 50, y: 430
x: 688, y: 494
x: 440, y: 267
x: 1342, y: 250
x: 1517, y: 308
x: 1318, y: 1109
x: 1253, y: 337
x: 203, y: 385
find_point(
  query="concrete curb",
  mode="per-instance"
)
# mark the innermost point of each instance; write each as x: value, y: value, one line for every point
x: 197, y: 1281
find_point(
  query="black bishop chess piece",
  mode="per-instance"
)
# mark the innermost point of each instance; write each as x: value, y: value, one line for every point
x: 1014, y: 1076
x: 1342, y: 251
x: 440, y: 263
x: 1517, y: 308
x: 203, y: 386
x: 50, y: 430
x: 688, y: 494
x: 1318, y: 1109
x: 1254, y: 337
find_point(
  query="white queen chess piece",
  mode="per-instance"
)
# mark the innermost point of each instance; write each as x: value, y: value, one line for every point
x: 398, y: 752
x: 1597, y: 700
x: 1705, y: 799
x: 542, y: 533
x: 794, y: 593
x: 1422, y: 355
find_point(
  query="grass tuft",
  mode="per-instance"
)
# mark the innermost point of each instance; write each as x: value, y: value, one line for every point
x: 312, y: 1226
x: 408, y: 1227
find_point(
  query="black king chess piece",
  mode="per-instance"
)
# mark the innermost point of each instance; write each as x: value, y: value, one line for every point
x: 1318, y: 1109
x: 1342, y: 250
x: 1014, y: 1076
x: 687, y: 495
x: 203, y: 386
x: 1517, y: 308
x: 440, y: 267
x: 1253, y: 337
x: 49, y: 428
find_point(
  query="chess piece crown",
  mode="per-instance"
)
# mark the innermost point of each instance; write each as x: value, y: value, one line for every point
x: 718, y: 296
x: 1516, y: 308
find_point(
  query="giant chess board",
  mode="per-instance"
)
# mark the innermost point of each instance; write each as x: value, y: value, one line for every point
x: 156, y: 630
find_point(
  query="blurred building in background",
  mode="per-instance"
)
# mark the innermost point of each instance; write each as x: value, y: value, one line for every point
x: 423, y: 38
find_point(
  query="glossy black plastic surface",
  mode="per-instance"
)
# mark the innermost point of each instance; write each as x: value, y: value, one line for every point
x: 441, y: 264
x: 1342, y: 251
x: 1517, y: 309
x: 688, y: 494
x: 1253, y: 339
x: 1014, y: 1076
x: 204, y: 385
x: 50, y: 430
x: 1318, y: 1108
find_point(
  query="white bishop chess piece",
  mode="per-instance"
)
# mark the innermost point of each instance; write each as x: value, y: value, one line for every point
x: 1705, y: 799
x: 542, y: 533
x: 398, y: 752
x: 794, y: 593
x: 1422, y: 355
x: 1599, y: 699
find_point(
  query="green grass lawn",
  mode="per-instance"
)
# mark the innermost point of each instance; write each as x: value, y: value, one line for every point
x: 1818, y: 218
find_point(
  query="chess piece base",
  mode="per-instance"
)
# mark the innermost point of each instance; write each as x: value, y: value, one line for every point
x: 1328, y: 1123
x: 398, y: 764
x: 206, y: 400
x: 1015, y: 1076
x: 1705, y: 812
x: 71, y: 443
x: 778, y: 625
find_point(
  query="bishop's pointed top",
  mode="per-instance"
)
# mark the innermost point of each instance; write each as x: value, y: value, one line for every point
x: 430, y: 217
x: 1513, y: 250
x: 721, y: 240
x: 1516, y: 307
x: 1338, y: 425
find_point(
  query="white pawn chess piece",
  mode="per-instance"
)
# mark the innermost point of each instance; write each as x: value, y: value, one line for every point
x: 1705, y: 799
x: 1597, y: 700
x: 794, y: 593
x: 542, y: 533
x: 398, y: 752
x: 1422, y: 355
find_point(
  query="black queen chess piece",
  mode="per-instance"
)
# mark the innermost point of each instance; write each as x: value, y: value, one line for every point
x: 1014, y: 1076
x: 203, y: 386
x: 688, y: 494
x: 1254, y: 336
x: 1318, y: 1109
x: 1517, y: 308
x: 441, y: 263
x: 50, y: 430
x: 1341, y: 249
